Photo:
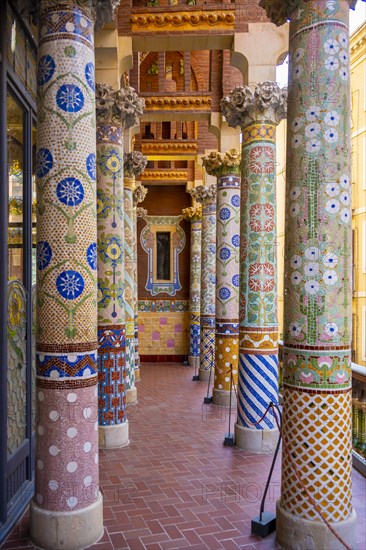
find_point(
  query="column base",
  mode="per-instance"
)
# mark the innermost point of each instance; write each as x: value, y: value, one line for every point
x: 256, y: 441
x: 296, y: 533
x: 113, y: 437
x: 194, y: 361
x: 205, y: 374
x: 131, y: 395
x: 66, y: 530
x: 137, y: 375
x: 222, y: 397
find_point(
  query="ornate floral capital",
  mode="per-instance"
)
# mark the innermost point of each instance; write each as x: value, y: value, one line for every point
x: 139, y: 194
x: 204, y: 194
x: 192, y: 213
x: 268, y: 103
x: 121, y: 107
x: 105, y: 12
x: 141, y: 212
x: 218, y: 165
x: 134, y: 163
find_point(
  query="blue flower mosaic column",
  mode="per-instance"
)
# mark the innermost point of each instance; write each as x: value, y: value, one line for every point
x: 207, y: 197
x: 317, y: 417
x: 67, y: 509
x: 111, y: 121
x: 227, y: 171
x: 194, y: 215
x: 134, y: 164
x: 257, y: 113
x: 139, y: 194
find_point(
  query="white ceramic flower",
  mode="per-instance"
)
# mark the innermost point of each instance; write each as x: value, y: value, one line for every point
x: 313, y: 113
x: 331, y: 46
x: 313, y: 145
x: 312, y: 253
x: 330, y: 277
x: 343, y: 56
x: 343, y: 73
x: 296, y: 278
x: 344, y: 181
x: 311, y: 269
x: 294, y: 209
x: 295, y: 329
x: 345, y: 198
x: 343, y: 40
x: 297, y: 123
x: 312, y: 129
x: 331, y: 63
x: 295, y: 193
x: 296, y: 261
x: 331, y: 329
x: 298, y: 55
x: 332, y: 189
x: 332, y: 206
x: 332, y: 118
x: 296, y: 141
x: 345, y: 215
x: 297, y: 72
x: 330, y: 260
x: 311, y: 287
x: 331, y: 135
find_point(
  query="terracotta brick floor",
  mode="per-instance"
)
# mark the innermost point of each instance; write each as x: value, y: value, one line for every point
x: 176, y: 486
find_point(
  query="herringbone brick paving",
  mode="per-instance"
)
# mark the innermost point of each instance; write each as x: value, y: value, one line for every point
x: 176, y: 486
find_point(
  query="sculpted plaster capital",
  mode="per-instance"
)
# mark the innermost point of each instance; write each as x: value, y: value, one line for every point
x: 134, y: 163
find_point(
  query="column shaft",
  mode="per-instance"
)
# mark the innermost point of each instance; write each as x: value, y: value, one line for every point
x: 67, y: 508
x: 195, y: 293
x: 113, y: 424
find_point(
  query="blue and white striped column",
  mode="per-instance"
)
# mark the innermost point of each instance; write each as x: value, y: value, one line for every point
x: 258, y: 332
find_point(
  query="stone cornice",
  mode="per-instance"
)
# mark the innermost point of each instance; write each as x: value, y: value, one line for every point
x: 279, y: 11
x: 192, y: 214
x: 183, y: 103
x: 267, y: 104
x: 217, y: 165
x: 164, y: 175
x: 200, y: 20
x: 204, y: 194
x: 123, y: 106
x: 139, y: 194
x: 134, y: 163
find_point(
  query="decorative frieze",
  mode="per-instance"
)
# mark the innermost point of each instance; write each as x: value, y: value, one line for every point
x: 200, y: 102
x: 184, y: 21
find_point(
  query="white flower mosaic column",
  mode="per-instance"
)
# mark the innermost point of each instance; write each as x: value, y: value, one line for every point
x: 318, y: 281
x: 139, y: 194
x: 66, y: 461
x: 112, y: 119
x: 194, y: 215
x: 227, y: 171
x: 207, y: 197
x: 257, y: 113
x: 134, y: 164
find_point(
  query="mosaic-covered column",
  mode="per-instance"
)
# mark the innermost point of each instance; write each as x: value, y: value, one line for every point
x: 194, y: 215
x: 317, y: 418
x: 227, y: 170
x: 139, y: 194
x: 112, y: 119
x: 67, y: 509
x: 134, y: 164
x: 257, y: 113
x: 207, y: 197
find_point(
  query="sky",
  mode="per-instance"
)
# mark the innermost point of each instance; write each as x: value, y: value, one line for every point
x: 356, y: 18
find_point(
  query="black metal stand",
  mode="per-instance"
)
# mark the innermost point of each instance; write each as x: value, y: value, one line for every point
x: 185, y: 362
x: 264, y: 524
x: 229, y: 437
x: 208, y: 399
